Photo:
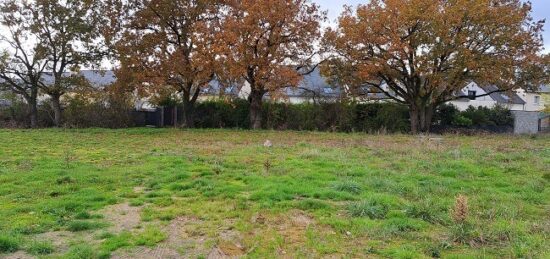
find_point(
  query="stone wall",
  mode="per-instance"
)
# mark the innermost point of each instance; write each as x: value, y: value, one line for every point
x: 528, y: 122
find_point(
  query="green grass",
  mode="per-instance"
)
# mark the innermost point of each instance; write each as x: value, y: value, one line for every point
x: 318, y: 194
x: 80, y: 225
x: 9, y: 243
x: 40, y: 248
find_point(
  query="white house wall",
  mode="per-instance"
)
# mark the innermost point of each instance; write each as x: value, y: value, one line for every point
x: 529, y: 99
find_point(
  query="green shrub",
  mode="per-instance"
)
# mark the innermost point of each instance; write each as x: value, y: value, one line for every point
x: 333, y: 116
x: 448, y: 115
x: 462, y: 121
x: 98, y: 109
x: 483, y: 116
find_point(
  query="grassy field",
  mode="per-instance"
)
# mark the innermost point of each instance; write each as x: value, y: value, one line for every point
x: 162, y: 193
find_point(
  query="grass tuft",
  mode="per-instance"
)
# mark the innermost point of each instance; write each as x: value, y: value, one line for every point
x: 149, y: 237
x: 373, y: 209
x: 80, y: 225
x: 9, y: 244
x: 81, y: 251
x: 348, y: 186
x: 40, y: 248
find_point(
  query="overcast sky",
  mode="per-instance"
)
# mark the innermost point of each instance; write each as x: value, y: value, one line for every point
x: 541, y: 10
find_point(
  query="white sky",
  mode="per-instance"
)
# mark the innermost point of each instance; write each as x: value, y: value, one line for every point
x: 541, y: 10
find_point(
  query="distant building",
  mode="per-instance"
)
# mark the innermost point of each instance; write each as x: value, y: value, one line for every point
x: 510, y: 100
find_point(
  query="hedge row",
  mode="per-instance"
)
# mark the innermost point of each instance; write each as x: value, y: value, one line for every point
x: 109, y: 112
x: 337, y: 116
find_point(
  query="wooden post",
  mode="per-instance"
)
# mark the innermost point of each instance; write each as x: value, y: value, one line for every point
x: 161, y: 124
x: 175, y: 116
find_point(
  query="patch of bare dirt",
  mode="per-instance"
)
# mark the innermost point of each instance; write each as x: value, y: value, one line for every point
x: 123, y: 217
x: 161, y: 251
x: 187, y: 239
x: 19, y: 255
x: 291, y: 226
x: 139, y: 189
x: 60, y: 239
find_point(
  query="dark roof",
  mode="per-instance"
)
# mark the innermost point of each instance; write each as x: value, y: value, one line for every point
x: 97, y: 78
x: 503, y: 97
x: 313, y: 84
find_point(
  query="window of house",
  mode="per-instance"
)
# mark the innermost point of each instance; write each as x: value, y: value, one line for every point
x: 472, y: 95
x: 537, y: 100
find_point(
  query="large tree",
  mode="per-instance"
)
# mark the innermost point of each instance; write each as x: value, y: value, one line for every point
x: 22, y: 62
x: 167, y: 46
x: 68, y: 36
x: 422, y: 53
x: 268, y: 44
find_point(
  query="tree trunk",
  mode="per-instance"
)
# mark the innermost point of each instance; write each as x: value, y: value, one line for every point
x: 415, y: 122
x: 255, y: 99
x: 33, y: 109
x: 33, y: 114
x: 421, y: 118
x: 188, y: 113
x: 427, y: 116
x: 56, y: 106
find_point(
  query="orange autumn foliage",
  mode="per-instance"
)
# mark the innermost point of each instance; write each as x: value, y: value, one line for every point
x: 422, y: 53
x: 266, y: 42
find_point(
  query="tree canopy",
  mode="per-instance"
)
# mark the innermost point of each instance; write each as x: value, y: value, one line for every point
x: 423, y: 52
x: 168, y: 46
x: 267, y: 42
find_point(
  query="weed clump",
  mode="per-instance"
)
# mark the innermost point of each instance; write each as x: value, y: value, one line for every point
x: 462, y: 231
x: 424, y: 210
x: 348, y: 186
x: 460, y: 211
x: 65, y: 180
x: 40, y: 248
x: 80, y: 225
x: 373, y: 209
x: 8, y: 244
x: 267, y: 166
x: 81, y: 251
x: 150, y: 237
x: 310, y: 204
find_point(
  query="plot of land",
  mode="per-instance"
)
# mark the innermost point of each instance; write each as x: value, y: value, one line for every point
x: 149, y: 193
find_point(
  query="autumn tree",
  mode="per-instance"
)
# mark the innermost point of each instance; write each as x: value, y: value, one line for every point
x: 22, y: 62
x: 166, y: 46
x: 267, y: 43
x: 422, y: 53
x: 66, y: 30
